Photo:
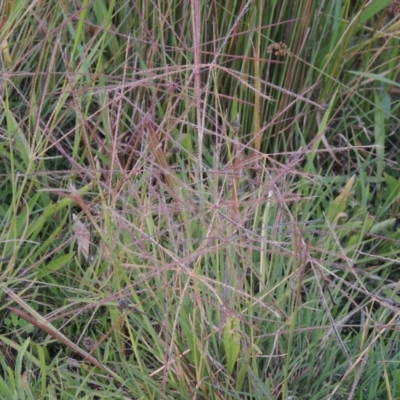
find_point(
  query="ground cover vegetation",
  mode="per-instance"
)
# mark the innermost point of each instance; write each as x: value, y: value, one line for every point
x: 199, y: 199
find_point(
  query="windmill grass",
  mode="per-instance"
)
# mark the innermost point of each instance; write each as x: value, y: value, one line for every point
x: 199, y: 200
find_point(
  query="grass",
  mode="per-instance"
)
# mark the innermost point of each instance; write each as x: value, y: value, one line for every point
x: 199, y: 199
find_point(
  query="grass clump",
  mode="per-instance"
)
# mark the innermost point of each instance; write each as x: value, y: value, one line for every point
x: 199, y: 201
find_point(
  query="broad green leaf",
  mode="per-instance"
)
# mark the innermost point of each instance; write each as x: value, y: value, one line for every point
x: 55, y: 265
x: 376, y: 77
x: 43, y: 370
x: 19, y: 367
x: 392, y: 191
x: 321, y: 131
x: 5, y: 389
x: 338, y: 206
x: 358, y: 237
x: 231, y: 340
x: 380, y: 136
x: 372, y: 9
x: 383, y: 225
